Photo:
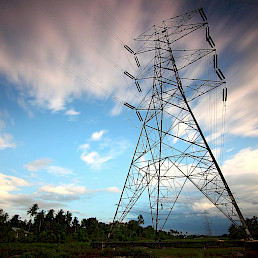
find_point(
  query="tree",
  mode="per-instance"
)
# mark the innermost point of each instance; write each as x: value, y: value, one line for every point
x: 15, y: 221
x: 3, y: 217
x: 68, y: 220
x: 93, y: 229
x: 140, y: 220
x: 49, y: 218
x: 4, y: 226
x: 60, y: 222
x: 33, y: 212
x: 148, y: 232
x: 238, y: 232
x: 60, y: 218
x: 40, y: 219
x: 84, y: 223
x: 75, y: 224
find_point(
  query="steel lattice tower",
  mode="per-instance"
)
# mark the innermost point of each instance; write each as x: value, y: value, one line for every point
x: 172, y: 149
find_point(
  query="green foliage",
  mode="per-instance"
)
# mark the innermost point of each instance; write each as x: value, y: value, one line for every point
x: 62, y: 227
x: 238, y: 232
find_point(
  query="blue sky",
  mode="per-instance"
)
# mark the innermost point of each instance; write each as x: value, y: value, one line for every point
x: 67, y: 144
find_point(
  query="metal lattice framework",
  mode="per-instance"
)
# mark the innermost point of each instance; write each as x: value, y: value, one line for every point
x: 172, y: 149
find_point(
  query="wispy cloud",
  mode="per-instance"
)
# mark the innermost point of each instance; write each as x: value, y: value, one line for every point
x: 241, y: 77
x: 24, y: 105
x: 47, y: 57
x: 6, y: 141
x: 106, y: 150
x: 69, y: 192
x: 2, y: 123
x: 94, y: 159
x: 63, y: 190
x: 38, y: 164
x: 59, y: 171
x: 72, y: 112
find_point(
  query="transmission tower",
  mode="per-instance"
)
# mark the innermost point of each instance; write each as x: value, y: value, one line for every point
x: 207, y: 224
x: 172, y: 150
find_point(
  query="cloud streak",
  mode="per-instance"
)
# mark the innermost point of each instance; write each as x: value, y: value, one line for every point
x: 38, y: 164
x: 108, y: 149
x: 6, y: 141
x: 41, y: 58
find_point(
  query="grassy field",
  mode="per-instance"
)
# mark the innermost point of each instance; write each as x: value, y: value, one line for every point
x: 84, y: 250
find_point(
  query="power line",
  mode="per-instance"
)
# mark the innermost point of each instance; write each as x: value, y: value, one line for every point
x: 115, y: 20
x: 101, y: 23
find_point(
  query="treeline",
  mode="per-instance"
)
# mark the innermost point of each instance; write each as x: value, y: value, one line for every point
x: 60, y: 227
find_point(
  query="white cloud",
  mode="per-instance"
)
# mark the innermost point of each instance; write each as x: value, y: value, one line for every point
x: 38, y: 164
x: 94, y: 159
x: 96, y: 136
x: 6, y: 141
x: 202, y: 205
x: 74, y: 190
x: 113, y: 190
x: 245, y: 162
x: 242, y: 176
x: 12, y: 199
x: 9, y: 184
x: 107, y: 150
x: 89, y: 158
x: 47, y: 196
x: 59, y: 171
x: 72, y: 112
x: 64, y: 190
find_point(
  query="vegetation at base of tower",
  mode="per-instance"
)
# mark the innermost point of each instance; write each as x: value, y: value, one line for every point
x: 62, y: 227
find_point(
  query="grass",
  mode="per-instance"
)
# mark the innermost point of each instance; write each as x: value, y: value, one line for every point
x: 84, y: 250
x: 200, y: 252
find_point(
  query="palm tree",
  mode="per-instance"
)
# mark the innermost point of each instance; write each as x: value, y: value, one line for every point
x: 32, y: 211
x: 68, y: 219
x: 49, y: 218
x: 41, y: 218
x: 60, y: 218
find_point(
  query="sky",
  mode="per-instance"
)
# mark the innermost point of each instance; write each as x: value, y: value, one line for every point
x: 66, y: 141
